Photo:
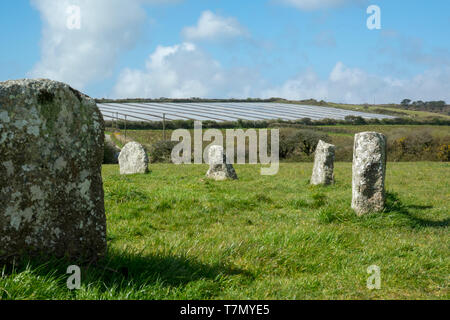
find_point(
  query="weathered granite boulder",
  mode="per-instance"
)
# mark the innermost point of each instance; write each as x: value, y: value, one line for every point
x: 369, y: 169
x: 219, y: 169
x: 323, y: 164
x: 51, y: 151
x: 133, y: 159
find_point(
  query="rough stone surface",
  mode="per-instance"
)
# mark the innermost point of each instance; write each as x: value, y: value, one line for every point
x: 51, y: 151
x: 219, y: 169
x: 369, y: 169
x: 133, y: 159
x: 323, y: 164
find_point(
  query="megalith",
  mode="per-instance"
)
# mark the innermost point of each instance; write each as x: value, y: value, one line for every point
x: 133, y: 159
x: 51, y: 152
x: 369, y: 170
x: 323, y: 170
x: 219, y: 169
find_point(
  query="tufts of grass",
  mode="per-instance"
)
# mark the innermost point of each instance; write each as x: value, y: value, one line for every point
x: 163, y: 205
x: 122, y: 193
x: 174, y: 235
x: 328, y: 215
x: 314, y: 201
x: 260, y: 197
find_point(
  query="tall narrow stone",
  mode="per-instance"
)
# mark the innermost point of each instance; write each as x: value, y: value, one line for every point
x: 133, y: 159
x: 323, y: 164
x: 369, y: 170
x: 51, y: 152
x: 219, y: 169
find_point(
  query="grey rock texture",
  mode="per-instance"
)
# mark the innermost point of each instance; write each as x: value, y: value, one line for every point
x: 51, y: 191
x: 133, y: 159
x: 369, y: 170
x: 219, y: 169
x: 323, y: 171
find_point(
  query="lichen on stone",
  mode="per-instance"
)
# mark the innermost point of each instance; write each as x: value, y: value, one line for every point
x: 51, y: 150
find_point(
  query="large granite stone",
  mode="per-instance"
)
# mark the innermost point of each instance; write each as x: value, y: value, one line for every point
x: 219, y: 169
x: 323, y: 170
x: 51, y: 151
x: 369, y: 169
x: 133, y: 159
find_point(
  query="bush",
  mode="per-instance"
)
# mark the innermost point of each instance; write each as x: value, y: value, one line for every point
x: 110, y: 154
x: 417, y: 146
x: 309, y: 140
x: 444, y: 153
x: 161, y: 151
x: 298, y: 142
x: 357, y: 120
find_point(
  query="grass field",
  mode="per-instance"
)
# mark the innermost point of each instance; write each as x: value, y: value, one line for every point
x: 387, y: 109
x: 174, y: 235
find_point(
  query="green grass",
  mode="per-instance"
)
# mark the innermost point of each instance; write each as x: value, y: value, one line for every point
x: 389, y: 130
x: 385, y: 109
x: 172, y: 234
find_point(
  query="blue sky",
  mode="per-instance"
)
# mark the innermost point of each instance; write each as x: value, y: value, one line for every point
x: 295, y: 49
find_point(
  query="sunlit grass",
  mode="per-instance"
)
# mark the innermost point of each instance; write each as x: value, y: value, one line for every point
x: 172, y: 234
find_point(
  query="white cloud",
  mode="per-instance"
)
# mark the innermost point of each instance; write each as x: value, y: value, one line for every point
x: 81, y: 56
x: 185, y: 70
x: 214, y: 27
x: 182, y: 71
x: 308, y: 5
x: 353, y: 85
x: 108, y: 27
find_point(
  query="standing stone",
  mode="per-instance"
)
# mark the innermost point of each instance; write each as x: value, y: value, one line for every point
x: 133, y: 159
x: 369, y: 169
x: 219, y: 169
x: 323, y: 164
x: 51, y: 152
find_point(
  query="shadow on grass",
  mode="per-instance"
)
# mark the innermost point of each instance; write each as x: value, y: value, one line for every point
x: 172, y: 270
x: 395, y: 214
x: 121, y: 270
x: 395, y: 205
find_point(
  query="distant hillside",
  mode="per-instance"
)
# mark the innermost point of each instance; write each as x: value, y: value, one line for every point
x: 407, y: 109
x: 430, y: 106
x: 198, y: 100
